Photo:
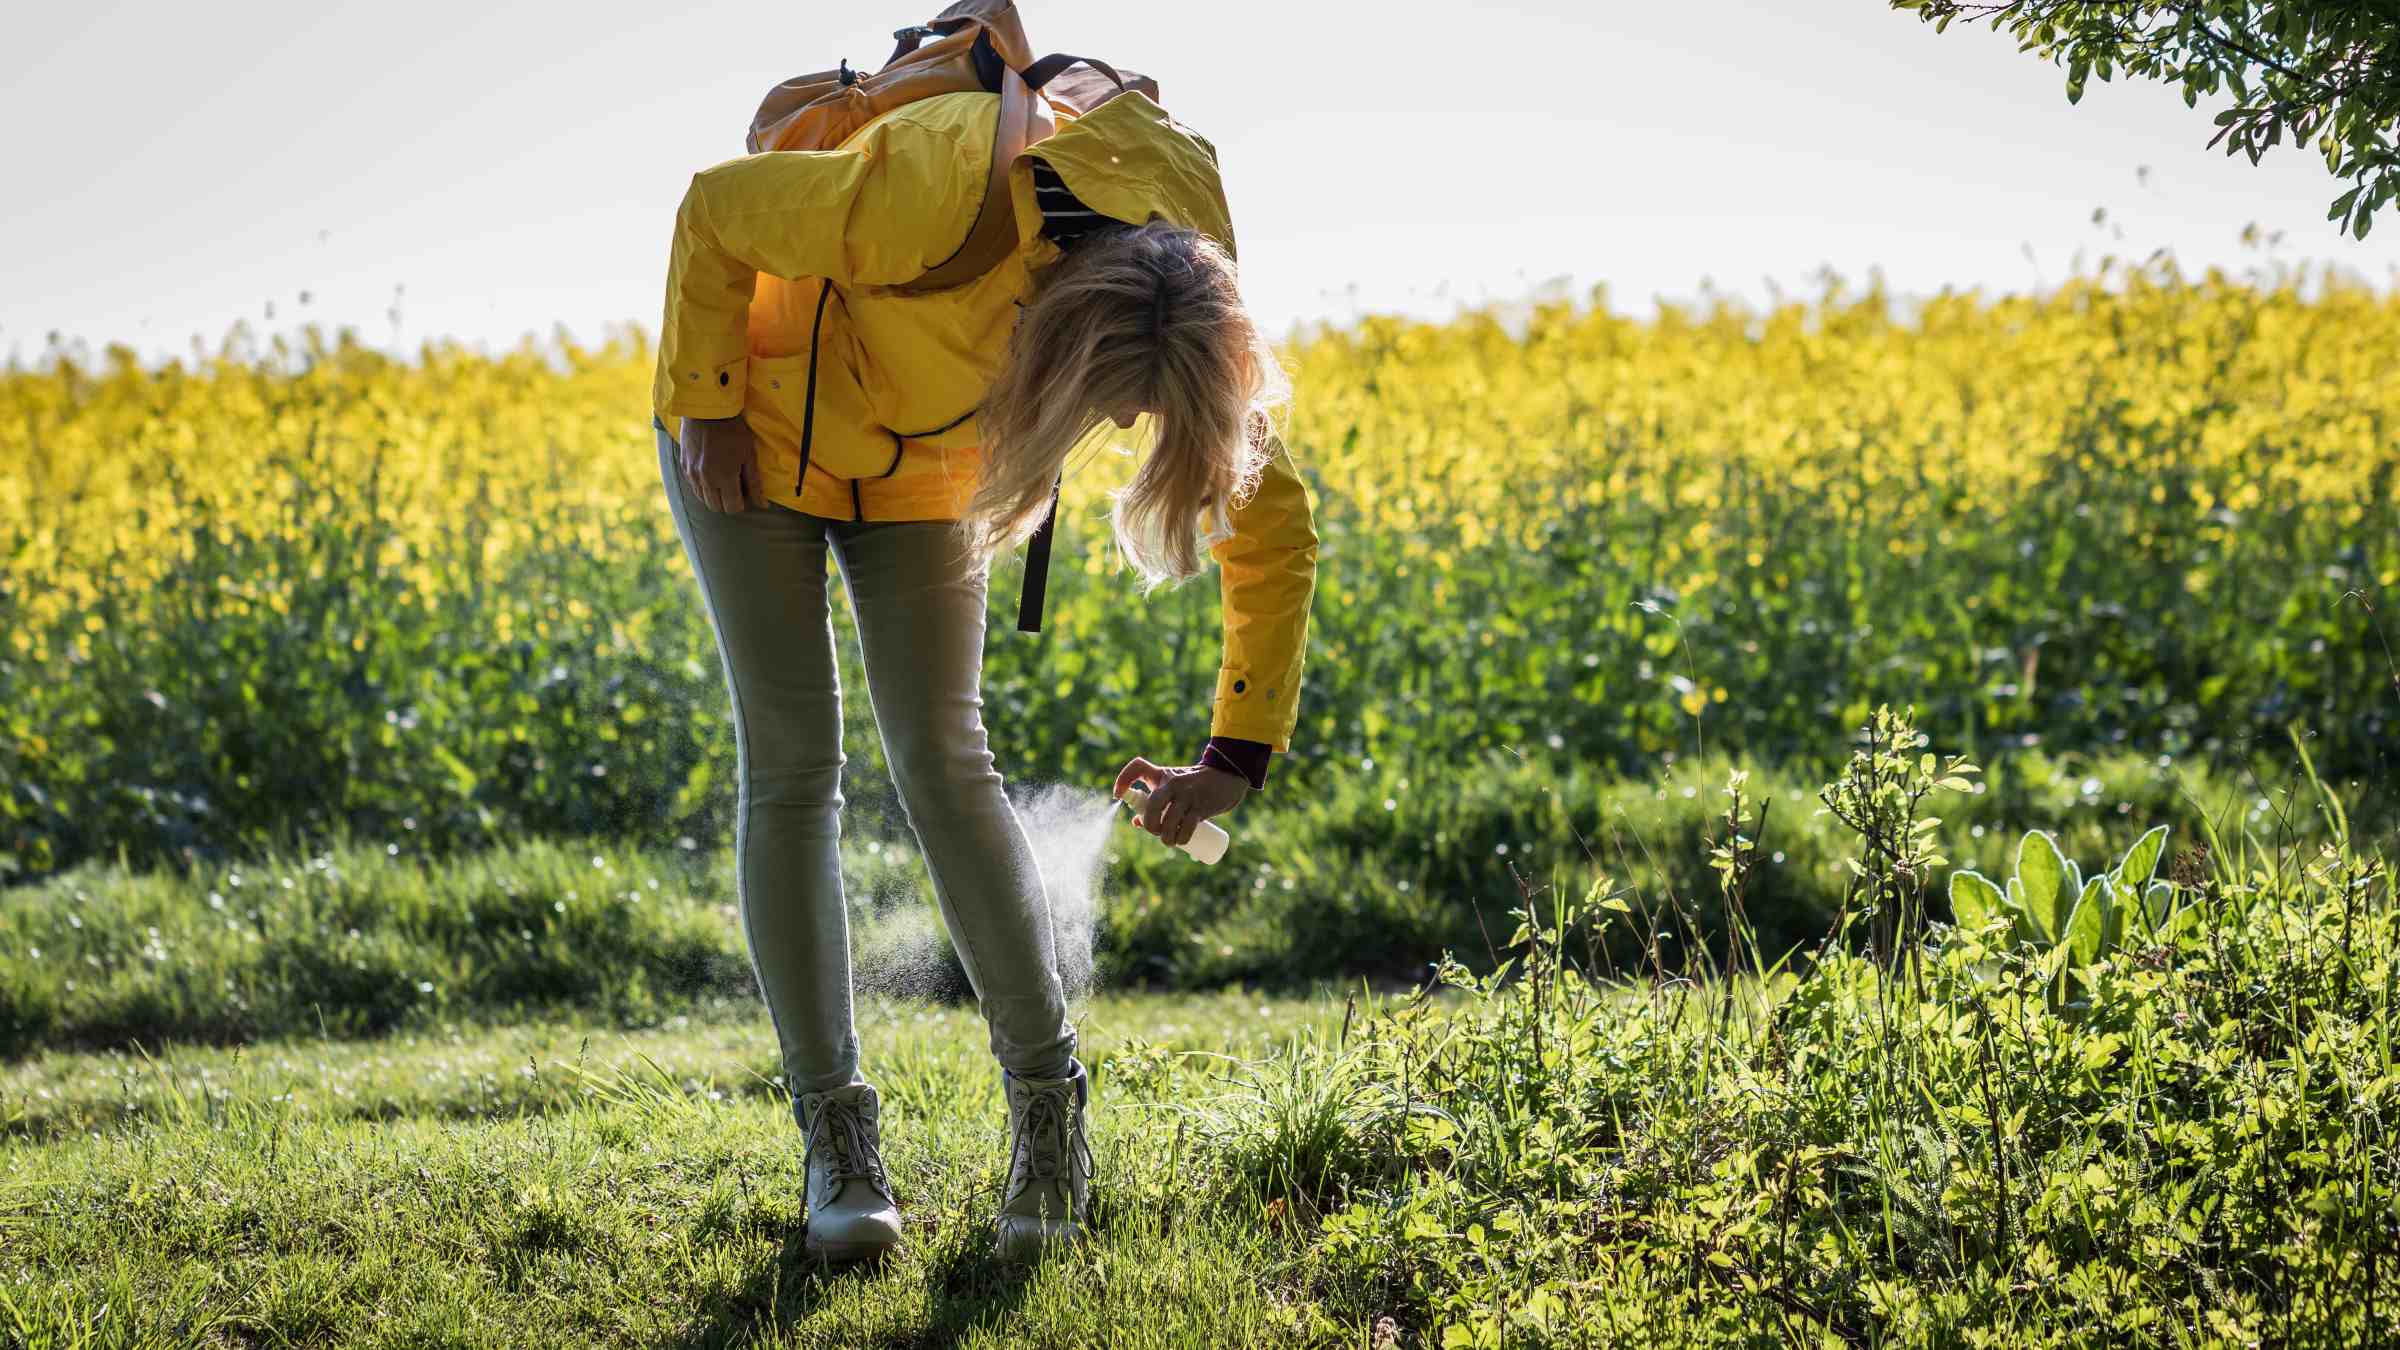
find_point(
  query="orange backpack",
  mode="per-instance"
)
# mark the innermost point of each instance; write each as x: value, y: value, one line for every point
x: 972, y: 45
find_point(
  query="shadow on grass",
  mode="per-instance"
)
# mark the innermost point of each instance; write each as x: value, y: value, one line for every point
x: 966, y: 1286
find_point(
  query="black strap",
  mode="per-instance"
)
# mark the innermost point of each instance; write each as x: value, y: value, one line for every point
x: 1037, y: 571
x: 988, y: 66
x: 1043, y: 71
x: 986, y: 57
x: 808, y: 416
x: 906, y: 40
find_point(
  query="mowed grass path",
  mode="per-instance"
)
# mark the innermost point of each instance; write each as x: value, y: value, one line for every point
x: 557, y: 1184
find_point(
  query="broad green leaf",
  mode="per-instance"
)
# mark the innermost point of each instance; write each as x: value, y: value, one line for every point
x: 2141, y: 861
x: 1975, y: 902
x: 2028, y: 928
x: 2043, y: 871
x: 2086, y: 931
x: 2158, y: 901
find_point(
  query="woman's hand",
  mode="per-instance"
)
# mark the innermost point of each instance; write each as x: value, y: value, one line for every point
x: 720, y: 463
x: 1181, y: 798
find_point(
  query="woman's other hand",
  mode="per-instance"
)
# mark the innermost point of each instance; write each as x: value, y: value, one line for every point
x: 720, y: 464
x: 1180, y: 798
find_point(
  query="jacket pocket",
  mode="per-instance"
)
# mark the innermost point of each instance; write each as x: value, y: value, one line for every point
x: 929, y: 360
x: 960, y: 433
x: 807, y: 406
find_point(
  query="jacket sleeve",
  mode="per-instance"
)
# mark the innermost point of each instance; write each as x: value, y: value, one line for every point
x: 1268, y: 569
x: 851, y: 216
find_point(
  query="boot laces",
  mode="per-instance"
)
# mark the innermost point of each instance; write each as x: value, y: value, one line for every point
x: 838, y: 1137
x: 1047, y: 1139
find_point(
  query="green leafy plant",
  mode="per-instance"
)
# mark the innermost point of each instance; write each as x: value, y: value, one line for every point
x: 1944, y: 1153
x: 2049, y: 903
x: 1879, y: 795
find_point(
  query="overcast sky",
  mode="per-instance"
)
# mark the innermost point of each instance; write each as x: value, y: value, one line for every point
x: 492, y: 169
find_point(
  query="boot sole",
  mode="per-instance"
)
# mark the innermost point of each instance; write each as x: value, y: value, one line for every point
x: 1028, y: 1242
x: 846, y: 1251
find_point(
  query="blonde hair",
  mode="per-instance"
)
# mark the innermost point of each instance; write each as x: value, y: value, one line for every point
x: 1138, y: 318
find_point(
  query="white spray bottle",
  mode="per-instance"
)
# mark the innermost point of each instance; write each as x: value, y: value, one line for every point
x: 1208, y: 842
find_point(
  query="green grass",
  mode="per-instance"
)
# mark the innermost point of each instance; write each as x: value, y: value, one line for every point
x: 1375, y: 877
x: 567, y: 1185
x: 1613, y: 1131
x: 2197, y: 1152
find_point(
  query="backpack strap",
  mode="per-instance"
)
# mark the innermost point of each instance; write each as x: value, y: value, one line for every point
x: 1041, y: 72
x: 1078, y: 84
x: 1037, y: 568
x: 1024, y: 119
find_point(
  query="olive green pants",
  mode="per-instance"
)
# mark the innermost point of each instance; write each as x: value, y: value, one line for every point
x: 919, y: 602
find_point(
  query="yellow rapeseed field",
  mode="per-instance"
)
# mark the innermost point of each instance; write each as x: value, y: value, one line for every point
x: 2273, y: 400
x: 2143, y: 509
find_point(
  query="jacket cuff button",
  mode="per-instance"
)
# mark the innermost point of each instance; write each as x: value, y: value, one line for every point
x: 1240, y: 685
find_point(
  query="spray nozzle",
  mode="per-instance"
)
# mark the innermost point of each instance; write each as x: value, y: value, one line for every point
x: 1209, y: 840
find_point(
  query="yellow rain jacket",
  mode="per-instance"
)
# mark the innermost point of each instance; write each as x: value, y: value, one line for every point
x: 892, y: 434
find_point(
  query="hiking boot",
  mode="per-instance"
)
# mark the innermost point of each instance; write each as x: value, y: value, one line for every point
x: 1049, y: 1163
x: 850, y: 1211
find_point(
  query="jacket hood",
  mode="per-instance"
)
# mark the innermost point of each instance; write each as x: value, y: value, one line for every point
x: 1127, y: 159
